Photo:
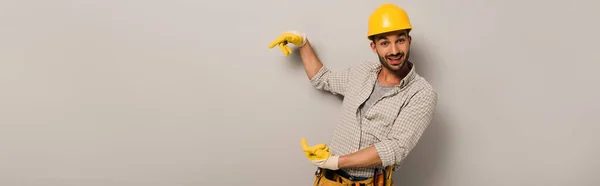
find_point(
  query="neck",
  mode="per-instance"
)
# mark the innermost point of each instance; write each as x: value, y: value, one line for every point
x: 388, y: 77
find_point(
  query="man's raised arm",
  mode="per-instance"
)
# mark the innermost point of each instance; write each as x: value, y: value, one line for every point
x: 320, y: 76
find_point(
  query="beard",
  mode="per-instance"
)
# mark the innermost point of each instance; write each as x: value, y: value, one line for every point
x: 401, y: 55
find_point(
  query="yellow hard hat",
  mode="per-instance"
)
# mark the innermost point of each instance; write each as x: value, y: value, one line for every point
x: 387, y: 18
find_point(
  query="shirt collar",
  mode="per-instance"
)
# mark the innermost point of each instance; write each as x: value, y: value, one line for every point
x: 405, y: 81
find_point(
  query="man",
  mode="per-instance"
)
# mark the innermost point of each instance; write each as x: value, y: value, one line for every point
x: 386, y: 105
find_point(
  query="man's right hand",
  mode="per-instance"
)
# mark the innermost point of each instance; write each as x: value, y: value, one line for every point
x: 294, y: 37
x: 311, y: 62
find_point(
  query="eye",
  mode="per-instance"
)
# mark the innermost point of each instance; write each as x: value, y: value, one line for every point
x: 384, y: 43
x: 401, y: 40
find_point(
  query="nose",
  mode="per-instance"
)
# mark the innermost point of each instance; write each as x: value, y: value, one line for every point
x: 395, y: 49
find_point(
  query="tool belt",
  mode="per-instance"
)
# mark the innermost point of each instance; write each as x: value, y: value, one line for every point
x: 381, y: 177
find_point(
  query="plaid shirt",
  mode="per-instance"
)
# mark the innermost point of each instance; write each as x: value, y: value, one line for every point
x: 393, y: 124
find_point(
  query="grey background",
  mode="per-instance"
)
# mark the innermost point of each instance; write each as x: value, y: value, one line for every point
x: 150, y: 92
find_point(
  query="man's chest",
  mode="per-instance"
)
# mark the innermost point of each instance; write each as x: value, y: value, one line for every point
x: 373, y: 104
x: 373, y: 113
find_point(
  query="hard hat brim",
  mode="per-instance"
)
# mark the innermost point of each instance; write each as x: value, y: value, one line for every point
x: 373, y: 35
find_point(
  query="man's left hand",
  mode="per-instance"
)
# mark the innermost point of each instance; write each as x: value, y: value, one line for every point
x: 320, y: 156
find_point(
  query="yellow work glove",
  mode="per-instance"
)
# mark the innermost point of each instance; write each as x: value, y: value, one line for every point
x: 294, y: 37
x: 320, y: 156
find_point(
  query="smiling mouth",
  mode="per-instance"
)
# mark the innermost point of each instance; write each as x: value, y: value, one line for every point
x: 394, y: 60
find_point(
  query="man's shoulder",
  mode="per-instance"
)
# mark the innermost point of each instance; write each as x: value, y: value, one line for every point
x: 423, y: 87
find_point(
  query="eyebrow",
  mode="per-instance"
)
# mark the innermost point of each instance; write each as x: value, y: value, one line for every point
x: 384, y: 38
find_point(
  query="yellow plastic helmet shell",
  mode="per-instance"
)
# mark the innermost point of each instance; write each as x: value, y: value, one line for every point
x: 388, y: 18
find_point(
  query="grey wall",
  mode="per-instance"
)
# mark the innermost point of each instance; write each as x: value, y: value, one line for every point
x: 152, y: 93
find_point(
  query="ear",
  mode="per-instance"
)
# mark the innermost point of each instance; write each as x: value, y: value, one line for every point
x: 373, y: 47
x: 409, y: 39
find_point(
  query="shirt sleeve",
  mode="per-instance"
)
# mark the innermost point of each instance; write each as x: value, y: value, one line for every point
x: 407, y: 129
x: 331, y: 81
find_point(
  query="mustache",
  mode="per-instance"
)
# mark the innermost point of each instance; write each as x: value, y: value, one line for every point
x: 396, y: 55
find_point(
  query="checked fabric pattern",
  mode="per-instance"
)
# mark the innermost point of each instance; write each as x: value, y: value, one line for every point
x: 393, y: 124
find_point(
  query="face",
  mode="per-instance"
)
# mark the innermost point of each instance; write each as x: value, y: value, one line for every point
x: 392, y: 49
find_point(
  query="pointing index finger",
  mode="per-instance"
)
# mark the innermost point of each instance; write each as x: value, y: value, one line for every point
x: 304, y: 144
x: 279, y: 39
